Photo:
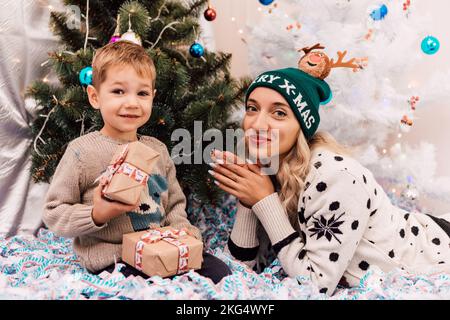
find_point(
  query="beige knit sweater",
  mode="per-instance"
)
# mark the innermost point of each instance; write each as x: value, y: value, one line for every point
x: 69, y: 201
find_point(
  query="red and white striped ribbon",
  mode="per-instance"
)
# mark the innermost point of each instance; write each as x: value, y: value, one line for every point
x: 170, y: 236
x: 120, y: 166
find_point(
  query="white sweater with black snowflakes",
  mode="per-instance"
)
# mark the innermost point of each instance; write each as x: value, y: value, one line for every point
x: 347, y: 223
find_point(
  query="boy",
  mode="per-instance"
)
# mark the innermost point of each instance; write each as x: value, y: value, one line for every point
x: 122, y: 89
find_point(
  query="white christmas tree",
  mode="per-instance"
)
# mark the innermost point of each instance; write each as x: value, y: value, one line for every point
x: 368, y: 103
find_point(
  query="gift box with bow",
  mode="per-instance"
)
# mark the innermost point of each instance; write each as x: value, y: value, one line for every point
x: 128, y: 172
x: 162, y: 252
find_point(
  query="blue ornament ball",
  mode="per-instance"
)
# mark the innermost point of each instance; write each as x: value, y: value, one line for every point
x: 430, y: 45
x: 379, y: 13
x: 266, y: 2
x: 86, y: 76
x: 196, y: 50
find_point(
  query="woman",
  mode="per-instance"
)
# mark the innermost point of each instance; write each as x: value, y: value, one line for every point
x: 325, y: 215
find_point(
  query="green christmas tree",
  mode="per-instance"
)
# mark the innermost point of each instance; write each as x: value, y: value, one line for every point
x: 189, y: 89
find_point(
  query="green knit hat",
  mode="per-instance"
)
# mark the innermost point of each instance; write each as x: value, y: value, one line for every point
x: 303, y: 92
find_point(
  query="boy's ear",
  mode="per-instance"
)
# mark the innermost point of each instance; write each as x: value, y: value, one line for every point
x: 154, y: 93
x: 93, y: 96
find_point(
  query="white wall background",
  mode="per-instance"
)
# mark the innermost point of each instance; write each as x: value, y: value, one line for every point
x: 432, y: 123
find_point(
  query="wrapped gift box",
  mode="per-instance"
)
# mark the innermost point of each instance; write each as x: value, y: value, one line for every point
x: 128, y: 172
x: 162, y: 252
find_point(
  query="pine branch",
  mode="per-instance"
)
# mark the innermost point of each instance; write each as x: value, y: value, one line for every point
x: 73, y: 38
x: 137, y: 14
x: 196, y: 7
x: 242, y: 87
x: 188, y: 89
x: 216, y: 65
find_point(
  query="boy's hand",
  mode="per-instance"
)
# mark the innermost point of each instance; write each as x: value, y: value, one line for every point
x: 105, y: 210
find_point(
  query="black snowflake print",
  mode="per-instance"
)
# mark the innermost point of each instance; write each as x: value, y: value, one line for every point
x: 318, y: 164
x: 364, y: 178
x: 327, y: 228
x: 363, y: 265
x: 368, y: 204
x: 344, y: 283
x: 334, y: 257
x: 337, y: 158
x: 415, y: 230
x: 301, y: 215
x: 321, y: 186
x: 373, y: 212
x: 334, y: 206
x: 436, y: 241
x: 303, y: 235
x: 402, y: 233
x: 307, y: 184
x: 355, y: 224
x: 391, y: 254
x: 406, y: 216
x: 302, y: 254
x: 323, y: 290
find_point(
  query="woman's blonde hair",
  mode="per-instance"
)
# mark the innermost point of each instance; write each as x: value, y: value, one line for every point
x: 295, y: 167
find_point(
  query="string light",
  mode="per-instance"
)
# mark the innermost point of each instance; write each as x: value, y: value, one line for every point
x: 87, y: 25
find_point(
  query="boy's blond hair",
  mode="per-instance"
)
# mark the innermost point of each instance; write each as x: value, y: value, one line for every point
x: 122, y: 53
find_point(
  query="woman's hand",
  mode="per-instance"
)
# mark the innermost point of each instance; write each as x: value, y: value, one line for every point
x: 245, y: 182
